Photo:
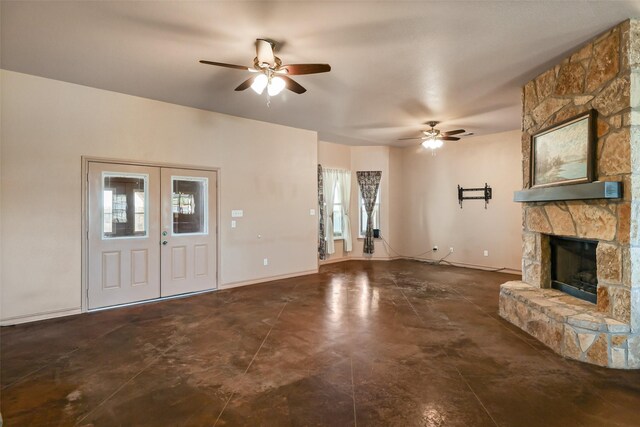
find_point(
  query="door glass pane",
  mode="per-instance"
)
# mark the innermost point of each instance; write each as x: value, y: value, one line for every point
x: 189, y: 205
x: 124, y: 206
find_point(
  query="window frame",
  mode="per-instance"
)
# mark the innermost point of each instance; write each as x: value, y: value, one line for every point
x: 204, y: 181
x: 143, y: 234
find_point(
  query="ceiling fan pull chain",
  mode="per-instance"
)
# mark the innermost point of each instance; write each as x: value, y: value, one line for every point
x: 268, y: 100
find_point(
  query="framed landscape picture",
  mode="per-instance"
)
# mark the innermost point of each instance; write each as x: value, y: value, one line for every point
x: 564, y: 153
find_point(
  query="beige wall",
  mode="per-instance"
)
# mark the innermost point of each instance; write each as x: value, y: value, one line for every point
x: 267, y: 170
x: 431, y: 213
x: 336, y: 156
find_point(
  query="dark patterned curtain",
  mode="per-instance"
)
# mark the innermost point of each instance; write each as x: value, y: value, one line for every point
x: 322, y: 243
x: 369, y: 181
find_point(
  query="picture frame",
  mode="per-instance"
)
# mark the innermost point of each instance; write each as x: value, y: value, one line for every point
x: 564, y: 153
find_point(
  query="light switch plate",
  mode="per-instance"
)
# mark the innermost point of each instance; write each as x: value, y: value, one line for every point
x: 237, y: 213
x: 312, y: 212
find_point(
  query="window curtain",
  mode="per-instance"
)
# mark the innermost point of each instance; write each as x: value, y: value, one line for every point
x: 344, y: 178
x: 322, y: 243
x: 369, y: 181
x: 329, y: 180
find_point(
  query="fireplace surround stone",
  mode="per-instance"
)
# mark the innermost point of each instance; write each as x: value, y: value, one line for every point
x: 603, y: 74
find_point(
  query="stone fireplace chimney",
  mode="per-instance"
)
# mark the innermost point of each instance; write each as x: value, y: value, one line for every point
x: 603, y: 75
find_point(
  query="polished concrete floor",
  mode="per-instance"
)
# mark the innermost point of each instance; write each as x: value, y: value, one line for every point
x: 361, y: 343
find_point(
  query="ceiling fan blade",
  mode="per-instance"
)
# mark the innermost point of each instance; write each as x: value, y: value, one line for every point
x: 298, y: 69
x: 407, y: 139
x: 222, y: 64
x: 292, y: 85
x: 247, y: 83
x: 449, y: 138
x: 264, y: 52
x: 453, y: 132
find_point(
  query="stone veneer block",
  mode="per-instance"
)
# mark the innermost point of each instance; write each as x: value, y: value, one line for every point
x: 609, y: 259
x: 571, y: 346
x: 618, y: 358
x: 605, y: 61
x: 597, y: 354
x: 615, y: 157
x: 529, y: 246
x: 537, y: 220
x: 561, y: 221
x: 634, y: 352
x: 593, y: 222
x: 614, y: 98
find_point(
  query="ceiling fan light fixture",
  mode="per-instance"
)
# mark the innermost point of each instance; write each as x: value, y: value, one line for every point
x: 432, y: 143
x: 259, y: 83
x: 275, y: 86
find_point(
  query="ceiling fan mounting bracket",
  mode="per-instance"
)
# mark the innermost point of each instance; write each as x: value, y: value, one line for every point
x: 264, y: 66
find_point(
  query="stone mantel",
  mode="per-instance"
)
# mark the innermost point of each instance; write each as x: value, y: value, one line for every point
x: 588, y: 191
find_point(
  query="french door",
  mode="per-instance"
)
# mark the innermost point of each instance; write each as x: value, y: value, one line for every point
x: 151, y: 232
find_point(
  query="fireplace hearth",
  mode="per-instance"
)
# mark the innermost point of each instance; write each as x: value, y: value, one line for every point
x: 574, y: 267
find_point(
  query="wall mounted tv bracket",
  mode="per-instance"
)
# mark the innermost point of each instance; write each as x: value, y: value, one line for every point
x: 487, y: 194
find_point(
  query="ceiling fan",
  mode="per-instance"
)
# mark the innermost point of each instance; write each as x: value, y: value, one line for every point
x: 270, y: 73
x: 432, y: 138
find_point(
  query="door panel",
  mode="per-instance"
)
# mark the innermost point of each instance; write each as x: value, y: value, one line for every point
x: 189, y: 212
x: 123, y: 226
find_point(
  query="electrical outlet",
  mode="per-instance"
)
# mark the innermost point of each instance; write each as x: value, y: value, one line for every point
x: 312, y: 212
x: 233, y: 224
x: 486, y: 252
x: 435, y: 249
x: 265, y: 261
x: 451, y: 250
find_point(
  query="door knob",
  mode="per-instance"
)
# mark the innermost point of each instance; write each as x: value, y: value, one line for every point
x: 164, y: 242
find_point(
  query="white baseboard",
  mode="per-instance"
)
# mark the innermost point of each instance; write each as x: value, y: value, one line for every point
x: 16, y: 320
x: 266, y: 279
x: 368, y: 258
x: 452, y: 263
x: 333, y: 261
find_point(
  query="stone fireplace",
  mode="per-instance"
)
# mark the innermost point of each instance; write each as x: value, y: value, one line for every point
x: 601, y: 328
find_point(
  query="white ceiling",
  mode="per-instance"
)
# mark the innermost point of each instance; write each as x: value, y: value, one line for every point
x: 394, y: 64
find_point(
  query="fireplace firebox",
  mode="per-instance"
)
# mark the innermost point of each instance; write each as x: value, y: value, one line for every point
x: 574, y: 267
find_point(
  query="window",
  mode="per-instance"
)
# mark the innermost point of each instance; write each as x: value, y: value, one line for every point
x: 337, y: 213
x: 124, y: 204
x: 189, y: 205
x: 363, y: 214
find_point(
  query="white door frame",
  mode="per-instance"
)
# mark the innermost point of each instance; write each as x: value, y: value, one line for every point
x: 84, y: 236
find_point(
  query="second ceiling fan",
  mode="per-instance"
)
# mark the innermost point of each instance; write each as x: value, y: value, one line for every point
x: 432, y: 138
x: 270, y: 73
